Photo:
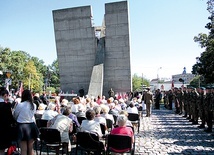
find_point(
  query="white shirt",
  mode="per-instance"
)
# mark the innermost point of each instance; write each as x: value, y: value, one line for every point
x: 49, y: 114
x: 63, y: 124
x: 100, y: 120
x: 23, y: 112
x: 91, y: 126
x: 133, y: 110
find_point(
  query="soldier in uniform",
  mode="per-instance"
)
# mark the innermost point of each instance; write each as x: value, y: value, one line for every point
x: 208, y: 111
x: 180, y: 100
x: 185, y: 98
x: 176, y: 100
x: 188, y: 103
x: 192, y: 106
x: 202, y: 95
x: 170, y: 99
x: 212, y: 102
x: 195, y: 97
x: 148, y: 100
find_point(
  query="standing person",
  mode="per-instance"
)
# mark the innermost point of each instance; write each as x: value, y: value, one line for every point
x: 148, y: 100
x: 157, y: 99
x: 170, y: 99
x: 27, y: 129
x: 81, y: 92
x: 6, y: 119
x: 111, y: 93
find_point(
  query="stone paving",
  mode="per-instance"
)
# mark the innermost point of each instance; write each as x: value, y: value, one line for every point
x: 167, y: 133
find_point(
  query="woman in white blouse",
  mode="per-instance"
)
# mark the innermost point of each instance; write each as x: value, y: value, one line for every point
x: 27, y: 129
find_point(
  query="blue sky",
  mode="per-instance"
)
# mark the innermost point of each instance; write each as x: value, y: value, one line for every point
x: 161, y: 31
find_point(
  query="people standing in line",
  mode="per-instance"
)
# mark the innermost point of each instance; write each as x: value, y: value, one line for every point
x: 6, y: 119
x: 27, y: 129
x: 148, y: 100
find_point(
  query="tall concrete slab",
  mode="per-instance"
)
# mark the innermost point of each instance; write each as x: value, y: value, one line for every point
x: 117, y: 66
x: 76, y: 47
x: 85, y: 63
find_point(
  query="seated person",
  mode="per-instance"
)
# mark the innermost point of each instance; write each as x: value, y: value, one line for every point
x: 41, y: 108
x: 89, y: 125
x: 98, y: 117
x: 105, y: 114
x: 128, y: 122
x: 122, y: 129
x: 50, y: 112
x: 63, y: 124
x: 81, y: 112
x: 132, y: 109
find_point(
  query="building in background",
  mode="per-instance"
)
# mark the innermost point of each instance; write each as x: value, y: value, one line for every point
x: 178, y: 80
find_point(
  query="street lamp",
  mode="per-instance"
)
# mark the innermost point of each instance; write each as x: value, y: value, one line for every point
x: 158, y: 76
x: 158, y: 72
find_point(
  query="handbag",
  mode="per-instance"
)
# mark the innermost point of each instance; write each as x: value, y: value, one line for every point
x: 12, y: 150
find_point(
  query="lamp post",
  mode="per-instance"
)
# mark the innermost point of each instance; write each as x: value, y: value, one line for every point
x: 158, y: 76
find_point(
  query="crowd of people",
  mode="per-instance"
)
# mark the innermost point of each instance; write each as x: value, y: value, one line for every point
x: 62, y: 114
x: 192, y: 103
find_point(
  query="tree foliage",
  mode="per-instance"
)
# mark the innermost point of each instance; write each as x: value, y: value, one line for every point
x: 54, y: 71
x: 30, y: 70
x: 198, y: 81
x: 205, y: 65
x: 138, y: 82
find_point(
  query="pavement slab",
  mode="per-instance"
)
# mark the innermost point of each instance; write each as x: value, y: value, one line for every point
x: 169, y: 133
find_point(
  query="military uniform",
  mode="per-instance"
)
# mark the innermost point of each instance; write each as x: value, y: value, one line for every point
x: 185, y: 98
x: 202, y: 96
x: 195, y: 100
x: 208, y: 110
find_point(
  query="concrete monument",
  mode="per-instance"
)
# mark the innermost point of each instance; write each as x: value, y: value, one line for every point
x: 94, y: 63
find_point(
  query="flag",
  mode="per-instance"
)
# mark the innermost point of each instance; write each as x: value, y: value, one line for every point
x: 172, y: 84
x: 7, y: 86
x: 20, y: 88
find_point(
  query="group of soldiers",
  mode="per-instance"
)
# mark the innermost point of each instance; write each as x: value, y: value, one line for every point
x: 194, y: 103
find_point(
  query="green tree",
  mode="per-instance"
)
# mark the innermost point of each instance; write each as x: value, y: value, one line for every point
x: 197, y: 81
x: 205, y: 64
x: 54, y: 74
x: 32, y: 80
x: 138, y: 82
